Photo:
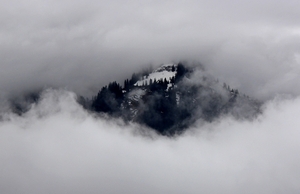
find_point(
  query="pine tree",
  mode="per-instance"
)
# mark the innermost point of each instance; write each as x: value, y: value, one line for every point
x: 181, y: 71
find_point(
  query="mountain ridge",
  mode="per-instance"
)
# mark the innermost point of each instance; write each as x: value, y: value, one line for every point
x: 168, y: 99
x: 171, y: 98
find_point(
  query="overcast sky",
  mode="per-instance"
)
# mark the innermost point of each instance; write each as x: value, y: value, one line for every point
x: 57, y: 147
x: 82, y: 45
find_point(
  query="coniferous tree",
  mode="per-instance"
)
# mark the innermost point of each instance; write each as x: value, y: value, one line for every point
x: 181, y: 70
x: 109, y: 99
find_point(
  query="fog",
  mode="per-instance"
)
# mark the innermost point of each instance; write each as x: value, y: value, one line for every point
x: 80, y: 46
x: 83, y: 45
x: 57, y: 147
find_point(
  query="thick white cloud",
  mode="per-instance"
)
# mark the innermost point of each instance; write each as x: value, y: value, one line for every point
x: 82, y: 45
x: 57, y: 147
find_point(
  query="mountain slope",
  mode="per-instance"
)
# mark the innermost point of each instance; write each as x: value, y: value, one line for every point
x: 172, y: 98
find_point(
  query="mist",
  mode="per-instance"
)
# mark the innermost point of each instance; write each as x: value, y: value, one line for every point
x: 83, y: 45
x: 58, y: 147
x: 77, y: 47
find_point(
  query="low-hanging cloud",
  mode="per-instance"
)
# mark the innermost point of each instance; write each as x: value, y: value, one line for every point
x: 57, y: 147
x: 83, y: 45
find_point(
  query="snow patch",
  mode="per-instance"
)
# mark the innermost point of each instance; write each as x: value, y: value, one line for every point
x: 136, y: 94
x: 163, y: 72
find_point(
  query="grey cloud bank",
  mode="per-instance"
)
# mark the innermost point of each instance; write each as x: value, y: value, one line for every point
x: 57, y: 147
x: 82, y: 45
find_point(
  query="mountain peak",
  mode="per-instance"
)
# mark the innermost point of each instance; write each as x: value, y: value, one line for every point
x: 164, y: 72
x: 170, y: 67
x: 167, y: 103
x: 168, y: 99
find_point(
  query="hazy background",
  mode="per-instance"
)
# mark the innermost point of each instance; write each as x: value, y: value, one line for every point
x: 83, y: 45
x: 80, y: 46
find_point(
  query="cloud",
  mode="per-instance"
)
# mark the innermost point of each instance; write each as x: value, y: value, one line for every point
x: 83, y: 45
x: 57, y: 147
